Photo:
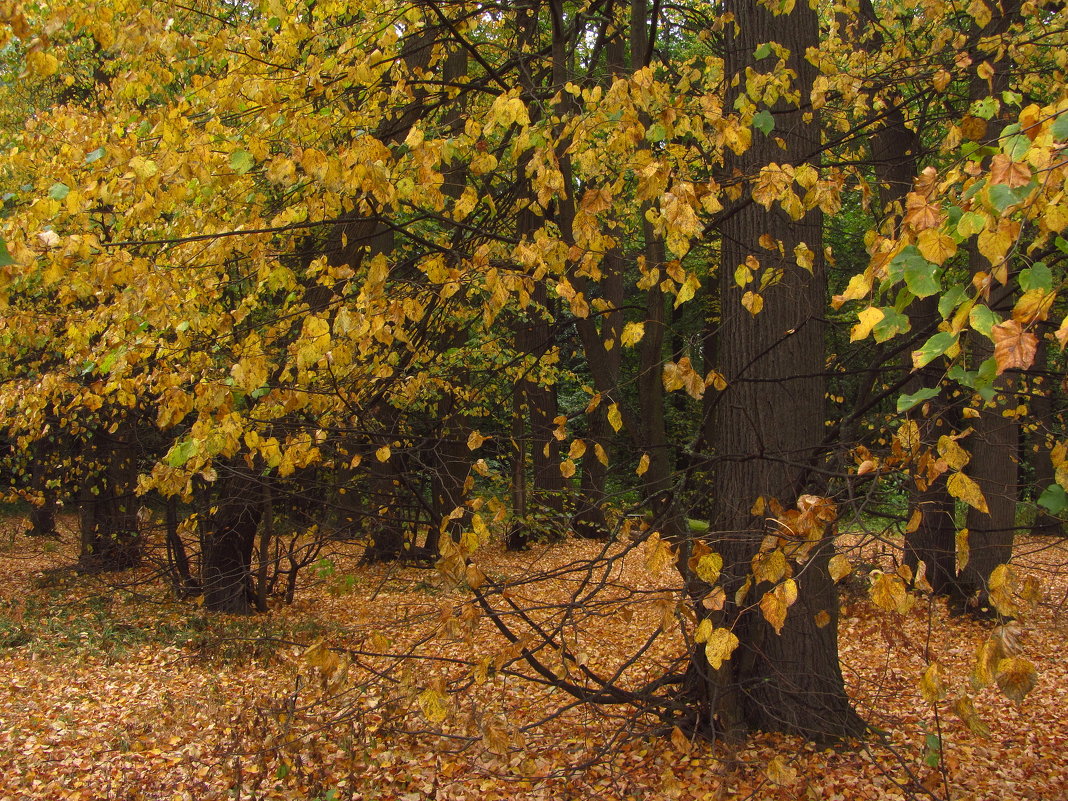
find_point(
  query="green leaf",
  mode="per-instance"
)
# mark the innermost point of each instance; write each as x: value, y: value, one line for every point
x: 1054, y: 499
x: 1037, y: 276
x: 763, y: 51
x: 983, y: 319
x: 906, y: 402
x: 95, y: 155
x: 984, y: 379
x: 1060, y: 126
x: 764, y: 122
x: 109, y: 360
x: 241, y: 161
x: 58, y: 191
x: 892, y: 324
x: 950, y: 300
x: 656, y: 133
x: 5, y: 255
x: 962, y: 376
x: 1001, y: 196
x: 181, y: 452
x: 922, y: 278
x: 1016, y: 147
x: 933, y: 348
x: 986, y: 107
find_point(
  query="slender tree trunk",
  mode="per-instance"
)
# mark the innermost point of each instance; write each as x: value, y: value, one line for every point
x: 178, y: 560
x: 994, y: 445
x: 108, y: 503
x: 43, y: 515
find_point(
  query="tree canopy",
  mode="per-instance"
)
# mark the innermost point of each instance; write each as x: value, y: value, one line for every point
x: 719, y: 281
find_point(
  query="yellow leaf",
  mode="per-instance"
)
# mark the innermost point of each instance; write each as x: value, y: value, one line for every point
x: 804, y: 256
x: 474, y: 577
x: 432, y: 703
x: 703, y: 631
x: 658, y: 554
x: 965, y: 710
x: 752, y: 302
x: 1016, y: 677
x: 1032, y: 306
x: 888, y: 592
x: 719, y: 647
x: 868, y: 320
x: 963, y: 554
x: 382, y: 454
x: 839, y: 567
x: 615, y: 419
x: 716, y: 379
x: 708, y: 567
x: 932, y: 687
x: 935, y: 246
x: 963, y: 488
x: 42, y: 64
x: 475, y: 440
x: 643, y: 465
x: 778, y: 772
x: 600, y: 453
x: 914, y: 520
x: 956, y: 457
x: 577, y: 448
x: 859, y: 286
x: 770, y: 566
x: 774, y: 605
x: 687, y: 290
x: 908, y: 437
x: 320, y: 656
x: 567, y: 468
x: 632, y: 334
x: 822, y: 618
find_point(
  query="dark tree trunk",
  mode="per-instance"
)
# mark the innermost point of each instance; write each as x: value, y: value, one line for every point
x: 228, y: 545
x: 42, y: 515
x: 178, y: 560
x: 450, y: 464
x: 1041, y: 440
x: 107, y: 503
x: 766, y: 429
x: 994, y: 445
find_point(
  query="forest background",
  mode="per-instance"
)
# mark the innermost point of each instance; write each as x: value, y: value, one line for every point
x: 690, y: 345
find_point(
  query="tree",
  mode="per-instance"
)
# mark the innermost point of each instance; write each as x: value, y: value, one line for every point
x: 373, y: 259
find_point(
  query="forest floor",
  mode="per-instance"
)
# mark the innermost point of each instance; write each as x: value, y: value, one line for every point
x: 112, y: 689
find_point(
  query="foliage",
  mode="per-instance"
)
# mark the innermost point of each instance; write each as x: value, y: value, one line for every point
x: 427, y: 275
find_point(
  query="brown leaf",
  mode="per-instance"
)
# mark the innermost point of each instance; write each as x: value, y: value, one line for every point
x: 1014, y: 348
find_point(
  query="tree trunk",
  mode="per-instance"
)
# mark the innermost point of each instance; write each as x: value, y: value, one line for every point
x: 994, y: 445
x: 767, y: 426
x: 228, y: 545
x: 108, y: 503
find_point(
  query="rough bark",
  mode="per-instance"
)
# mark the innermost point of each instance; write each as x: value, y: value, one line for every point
x: 228, y: 544
x: 774, y: 365
x: 107, y: 503
x: 995, y: 443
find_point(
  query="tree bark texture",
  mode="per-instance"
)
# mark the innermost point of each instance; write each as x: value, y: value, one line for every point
x: 767, y: 426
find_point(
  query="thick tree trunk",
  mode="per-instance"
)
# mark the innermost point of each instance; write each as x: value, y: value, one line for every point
x: 228, y: 545
x: 766, y: 429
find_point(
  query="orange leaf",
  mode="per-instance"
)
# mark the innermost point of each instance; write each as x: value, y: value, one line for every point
x: 1013, y: 347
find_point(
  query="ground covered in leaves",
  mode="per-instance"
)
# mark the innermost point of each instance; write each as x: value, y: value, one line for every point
x: 112, y: 689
